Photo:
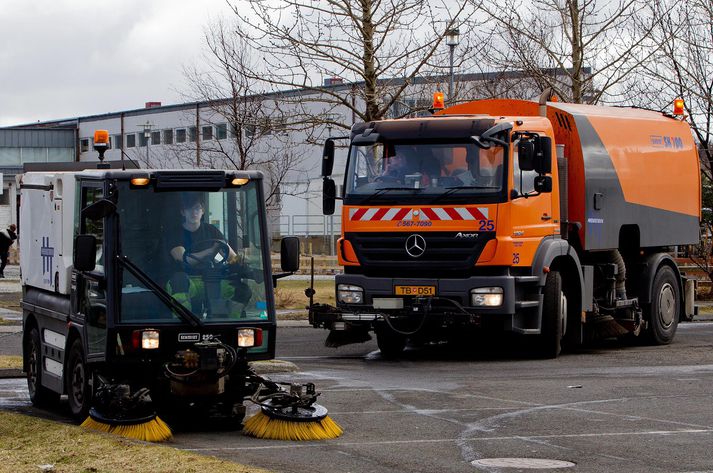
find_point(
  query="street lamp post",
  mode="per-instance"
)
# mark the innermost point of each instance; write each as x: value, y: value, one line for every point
x: 147, y: 135
x: 452, y: 39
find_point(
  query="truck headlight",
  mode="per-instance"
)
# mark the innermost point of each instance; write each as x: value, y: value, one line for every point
x: 486, y: 296
x: 149, y: 339
x: 249, y: 337
x: 348, y: 294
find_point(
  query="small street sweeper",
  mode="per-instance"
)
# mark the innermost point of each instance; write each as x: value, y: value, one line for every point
x: 149, y: 291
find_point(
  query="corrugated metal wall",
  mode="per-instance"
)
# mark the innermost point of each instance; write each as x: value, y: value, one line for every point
x: 10, y: 138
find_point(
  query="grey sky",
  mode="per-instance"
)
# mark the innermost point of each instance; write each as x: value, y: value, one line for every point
x: 65, y: 58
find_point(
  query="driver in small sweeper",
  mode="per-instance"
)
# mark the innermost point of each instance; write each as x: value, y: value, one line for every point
x: 195, y: 246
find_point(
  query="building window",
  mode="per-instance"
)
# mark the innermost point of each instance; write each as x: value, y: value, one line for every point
x: 249, y: 131
x: 155, y: 137
x: 181, y: 135
x: 116, y: 143
x: 168, y: 137
x: 130, y: 140
x: 84, y: 145
x: 192, y: 134
x: 221, y: 131
x: 5, y: 198
x: 143, y: 140
x: 207, y: 132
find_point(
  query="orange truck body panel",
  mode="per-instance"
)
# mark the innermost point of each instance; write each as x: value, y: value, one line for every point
x: 649, y: 161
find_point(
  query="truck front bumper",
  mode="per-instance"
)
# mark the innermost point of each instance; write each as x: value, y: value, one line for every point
x: 520, y: 310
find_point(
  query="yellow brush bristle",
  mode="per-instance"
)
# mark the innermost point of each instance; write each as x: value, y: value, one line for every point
x: 154, y: 430
x: 264, y: 427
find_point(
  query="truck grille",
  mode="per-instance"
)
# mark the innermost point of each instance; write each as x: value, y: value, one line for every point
x: 443, y: 250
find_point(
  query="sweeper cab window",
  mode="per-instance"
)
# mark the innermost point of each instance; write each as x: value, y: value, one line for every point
x: 202, y: 249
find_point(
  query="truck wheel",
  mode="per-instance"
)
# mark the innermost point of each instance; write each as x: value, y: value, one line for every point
x: 554, y: 317
x: 39, y: 395
x: 79, y: 391
x: 390, y: 344
x: 665, y: 308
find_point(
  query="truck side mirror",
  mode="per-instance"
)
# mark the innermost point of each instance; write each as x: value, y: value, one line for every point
x: 543, y: 184
x: 328, y: 158
x: 329, y: 191
x: 290, y: 254
x: 526, y: 155
x: 543, y: 155
x: 85, y: 252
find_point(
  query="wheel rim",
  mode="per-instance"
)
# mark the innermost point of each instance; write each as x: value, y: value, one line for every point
x: 78, y: 385
x: 667, y: 305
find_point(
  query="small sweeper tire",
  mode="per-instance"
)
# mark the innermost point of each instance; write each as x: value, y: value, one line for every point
x: 77, y: 375
x: 40, y: 396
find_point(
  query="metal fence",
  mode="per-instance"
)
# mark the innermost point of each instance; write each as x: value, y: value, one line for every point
x: 310, y: 228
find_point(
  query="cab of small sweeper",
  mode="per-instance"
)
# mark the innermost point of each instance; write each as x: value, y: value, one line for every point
x: 168, y: 258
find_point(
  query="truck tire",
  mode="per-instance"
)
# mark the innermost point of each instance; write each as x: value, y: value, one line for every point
x: 79, y: 390
x: 39, y: 395
x: 554, y: 315
x: 663, y: 313
x: 390, y: 344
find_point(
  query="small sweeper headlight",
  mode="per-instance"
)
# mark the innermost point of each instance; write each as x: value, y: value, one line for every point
x: 249, y: 337
x: 145, y: 339
x: 348, y: 294
x: 486, y: 296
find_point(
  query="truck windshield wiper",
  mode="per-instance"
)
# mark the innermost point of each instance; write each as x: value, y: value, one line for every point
x: 165, y: 297
x: 384, y: 190
x: 453, y: 189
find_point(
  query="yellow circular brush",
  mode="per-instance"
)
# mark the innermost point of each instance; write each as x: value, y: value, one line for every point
x: 149, y: 428
x: 292, y: 423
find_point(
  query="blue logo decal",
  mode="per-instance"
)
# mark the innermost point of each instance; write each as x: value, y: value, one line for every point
x: 658, y: 141
x: 47, y: 253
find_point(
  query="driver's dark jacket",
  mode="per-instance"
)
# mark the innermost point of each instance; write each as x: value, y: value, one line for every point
x: 188, y: 240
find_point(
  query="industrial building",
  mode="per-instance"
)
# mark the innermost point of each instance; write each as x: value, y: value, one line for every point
x: 219, y: 134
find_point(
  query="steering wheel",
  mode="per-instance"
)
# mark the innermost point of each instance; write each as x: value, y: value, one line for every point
x: 210, y: 260
x: 387, y: 179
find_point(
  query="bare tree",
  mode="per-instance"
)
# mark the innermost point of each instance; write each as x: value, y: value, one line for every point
x: 683, y: 68
x: 247, y: 128
x: 582, y: 49
x: 378, y: 48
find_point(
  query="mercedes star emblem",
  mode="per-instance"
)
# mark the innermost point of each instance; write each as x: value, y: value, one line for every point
x: 415, y: 246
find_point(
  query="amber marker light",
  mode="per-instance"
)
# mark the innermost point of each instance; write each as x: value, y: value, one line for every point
x: 678, y: 106
x: 140, y: 181
x: 239, y: 181
x: 438, y: 103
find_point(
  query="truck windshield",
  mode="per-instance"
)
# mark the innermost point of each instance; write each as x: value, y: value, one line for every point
x: 204, y: 249
x: 439, y: 170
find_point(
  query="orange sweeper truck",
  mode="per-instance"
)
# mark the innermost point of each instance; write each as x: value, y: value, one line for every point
x: 549, y: 220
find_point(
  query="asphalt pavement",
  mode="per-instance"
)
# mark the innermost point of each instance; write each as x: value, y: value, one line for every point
x: 613, y: 407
